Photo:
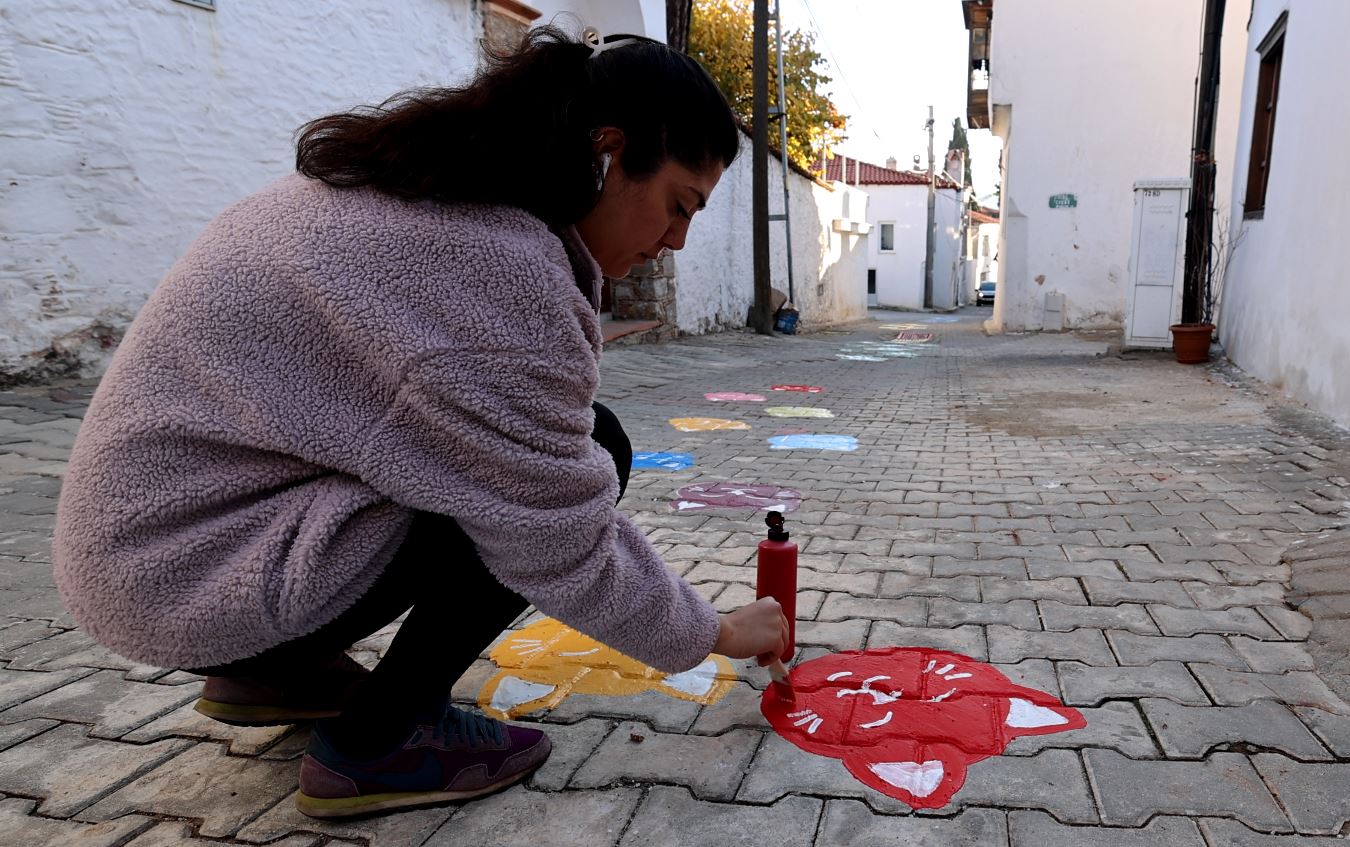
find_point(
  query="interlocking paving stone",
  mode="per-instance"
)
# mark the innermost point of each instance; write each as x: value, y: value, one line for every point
x: 1239, y: 621
x: 90, y: 768
x: 202, y: 782
x: 21, y: 686
x: 573, y: 744
x: 1103, y: 569
x: 1190, y: 732
x: 1008, y: 568
x: 1140, y: 571
x: 1114, y: 725
x: 781, y: 768
x: 851, y: 822
x: 1229, y: 833
x: 20, y: 826
x: 912, y: 611
x: 11, y: 734
x: 523, y: 818
x: 1333, y: 729
x: 738, y: 709
x: 966, y: 640
x: 711, y: 766
x: 1109, y: 592
x: 1140, y: 650
x: 403, y: 829
x: 997, y: 590
x: 844, y: 635
x: 673, y: 816
x: 1314, y: 793
x: 906, y: 585
x: 1129, y: 792
x: 1016, y: 613
x: 1032, y: 673
x: 1088, y: 686
x: 186, y: 722
x: 1037, y: 829
x: 1060, y: 617
x: 1234, y: 688
x: 1052, y: 780
x: 1293, y: 625
x: 1226, y: 596
x: 663, y: 712
x: 21, y: 633
x: 1272, y: 656
x: 1007, y: 644
x: 113, y: 705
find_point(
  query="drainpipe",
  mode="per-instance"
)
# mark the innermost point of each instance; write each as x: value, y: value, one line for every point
x: 1200, y: 217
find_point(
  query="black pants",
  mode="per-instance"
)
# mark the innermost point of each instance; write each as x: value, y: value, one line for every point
x: 457, y: 608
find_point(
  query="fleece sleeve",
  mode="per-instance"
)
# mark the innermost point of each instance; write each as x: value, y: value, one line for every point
x: 500, y: 441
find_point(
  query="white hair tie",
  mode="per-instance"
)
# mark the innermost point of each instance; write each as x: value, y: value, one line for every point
x: 593, y: 39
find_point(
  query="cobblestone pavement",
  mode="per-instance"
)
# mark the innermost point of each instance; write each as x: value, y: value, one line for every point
x: 1115, y: 530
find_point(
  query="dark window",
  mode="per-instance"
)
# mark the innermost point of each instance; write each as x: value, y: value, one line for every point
x: 871, y: 280
x: 1263, y: 122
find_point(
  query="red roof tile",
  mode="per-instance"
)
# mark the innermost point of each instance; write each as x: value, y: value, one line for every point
x: 842, y: 169
x: 983, y: 216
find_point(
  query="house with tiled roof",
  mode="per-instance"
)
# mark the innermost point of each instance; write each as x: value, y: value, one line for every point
x: 897, y: 213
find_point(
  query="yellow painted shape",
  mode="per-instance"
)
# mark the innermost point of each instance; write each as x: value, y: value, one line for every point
x: 549, y: 654
x: 798, y: 412
x: 706, y: 424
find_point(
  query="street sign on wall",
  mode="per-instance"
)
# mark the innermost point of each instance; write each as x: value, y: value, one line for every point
x: 1063, y: 201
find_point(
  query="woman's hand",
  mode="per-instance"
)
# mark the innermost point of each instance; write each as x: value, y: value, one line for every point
x: 759, y: 629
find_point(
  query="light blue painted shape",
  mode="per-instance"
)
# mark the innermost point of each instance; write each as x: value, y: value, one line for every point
x: 845, y: 443
x: 663, y: 461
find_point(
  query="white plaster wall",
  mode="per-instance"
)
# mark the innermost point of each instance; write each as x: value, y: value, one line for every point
x: 637, y: 17
x: 946, y: 249
x: 714, y: 283
x: 1098, y: 100
x: 899, y: 272
x: 128, y: 124
x: 1287, y: 298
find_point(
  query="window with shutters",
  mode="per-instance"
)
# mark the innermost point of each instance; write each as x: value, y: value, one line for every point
x: 1263, y: 121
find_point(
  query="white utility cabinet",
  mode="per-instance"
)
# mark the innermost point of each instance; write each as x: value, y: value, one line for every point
x: 1157, y: 261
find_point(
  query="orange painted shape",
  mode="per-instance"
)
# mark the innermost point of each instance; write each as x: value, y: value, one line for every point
x: 706, y: 424
x: 540, y: 665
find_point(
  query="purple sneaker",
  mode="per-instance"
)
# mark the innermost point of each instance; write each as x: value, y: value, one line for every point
x: 251, y: 701
x: 456, y: 757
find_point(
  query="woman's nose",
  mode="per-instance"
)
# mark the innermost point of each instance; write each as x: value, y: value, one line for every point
x: 674, y: 237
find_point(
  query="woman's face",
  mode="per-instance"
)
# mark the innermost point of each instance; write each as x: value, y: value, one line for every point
x: 635, y: 220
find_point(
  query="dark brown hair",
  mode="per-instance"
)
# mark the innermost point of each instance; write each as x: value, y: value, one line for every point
x: 520, y: 132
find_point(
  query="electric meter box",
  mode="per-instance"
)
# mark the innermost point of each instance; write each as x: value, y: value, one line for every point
x: 1157, y: 261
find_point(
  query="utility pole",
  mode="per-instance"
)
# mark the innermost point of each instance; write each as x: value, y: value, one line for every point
x: 761, y: 318
x: 1200, y: 217
x: 781, y: 114
x: 932, y: 221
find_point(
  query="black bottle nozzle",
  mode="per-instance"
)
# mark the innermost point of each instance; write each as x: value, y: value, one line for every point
x: 775, y: 524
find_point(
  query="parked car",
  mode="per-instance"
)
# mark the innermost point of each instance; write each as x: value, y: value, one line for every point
x: 985, y: 293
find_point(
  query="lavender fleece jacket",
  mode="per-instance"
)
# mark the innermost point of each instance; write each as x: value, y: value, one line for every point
x: 320, y: 364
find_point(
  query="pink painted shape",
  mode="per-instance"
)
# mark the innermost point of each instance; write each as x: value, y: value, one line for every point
x: 733, y: 397
x: 914, y: 336
x: 733, y: 495
x: 809, y: 389
x: 909, y: 721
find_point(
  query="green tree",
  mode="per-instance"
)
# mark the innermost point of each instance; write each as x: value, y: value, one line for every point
x: 959, y: 142
x: 721, y: 39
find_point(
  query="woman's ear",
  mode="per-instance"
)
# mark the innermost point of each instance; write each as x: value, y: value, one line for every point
x: 607, y: 139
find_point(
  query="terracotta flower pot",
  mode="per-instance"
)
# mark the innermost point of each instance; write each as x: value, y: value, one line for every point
x: 1191, y: 342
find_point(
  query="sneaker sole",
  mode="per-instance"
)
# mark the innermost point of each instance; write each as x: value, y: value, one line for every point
x: 369, y: 804
x: 239, y: 715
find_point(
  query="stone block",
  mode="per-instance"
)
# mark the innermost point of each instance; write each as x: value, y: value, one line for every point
x: 849, y: 822
x: 1037, y: 829
x: 1130, y: 792
x: 21, y: 686
x: 573, y: 744
x: 112, y: 704
x: 1230, y: 833
x: 1192, y: 732
x: 1272, y: 656
x: 1117, y: 726
x: 1313, y: 793
x: 1238, y: 621
x: 1088, y: 686
x: 661, y: 711
x: 1234, y: 688
x: 1209, y: 596
x: 966, y: 640
x: 781, y: 768
x: 1014, y: 613
x: 1109, y: 592
x: 1142, y: 650
x: 523, y: 818
x: 1332, y: 729
x: 965, y: 588
x: 845, y: 635
x: 912, y: 611
x: 1104, y: 569
x: 409, y: 828
x: 187, y: 722
x: 20, y: 826
x: 711, y: 766
x: 999, y: 590
x: 1008, y: 568
x: 1052, y: 780
x: 1088, y: 646
x: 673, y: 816
x: 1060, y: 617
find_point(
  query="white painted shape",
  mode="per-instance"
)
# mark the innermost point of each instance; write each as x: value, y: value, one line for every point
x: 840, y: 675
x: 877, y: 723
x: 1023, y: 714
x: 513, y: 691
x: 696, y: 681
x: 918, y: 779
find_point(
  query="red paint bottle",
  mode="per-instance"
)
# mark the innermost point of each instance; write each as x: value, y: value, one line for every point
x: 777, y: 575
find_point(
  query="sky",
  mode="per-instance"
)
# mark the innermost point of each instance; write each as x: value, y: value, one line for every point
x: 890, y: 60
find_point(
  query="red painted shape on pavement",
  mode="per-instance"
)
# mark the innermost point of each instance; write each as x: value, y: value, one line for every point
x: 809, y: 389
x: 909, y: 721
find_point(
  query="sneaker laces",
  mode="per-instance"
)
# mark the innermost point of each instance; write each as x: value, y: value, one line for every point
x: 473, y: 728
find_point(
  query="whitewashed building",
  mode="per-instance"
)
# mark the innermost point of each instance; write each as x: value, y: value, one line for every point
x: 1285, y: 312
x: 1088, y: 99
x: 981, y: 249
x: 897, y: 214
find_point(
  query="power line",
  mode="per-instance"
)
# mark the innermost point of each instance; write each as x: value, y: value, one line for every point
x: 834, y: 60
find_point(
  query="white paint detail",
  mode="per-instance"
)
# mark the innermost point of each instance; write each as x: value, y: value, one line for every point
x: 1024, y: 714
x: 918, y: 779
x: 696, y: 681
x: 944, y: 669
x: 941, y: 697
x: 932, y: 663
x: 877, y: 723
x: 840, y: 675
x: 513, y: 691
x: 958, y: 676
x: 575, y: 653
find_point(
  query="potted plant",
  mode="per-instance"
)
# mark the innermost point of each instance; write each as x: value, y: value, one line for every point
x: 1191, y: 341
